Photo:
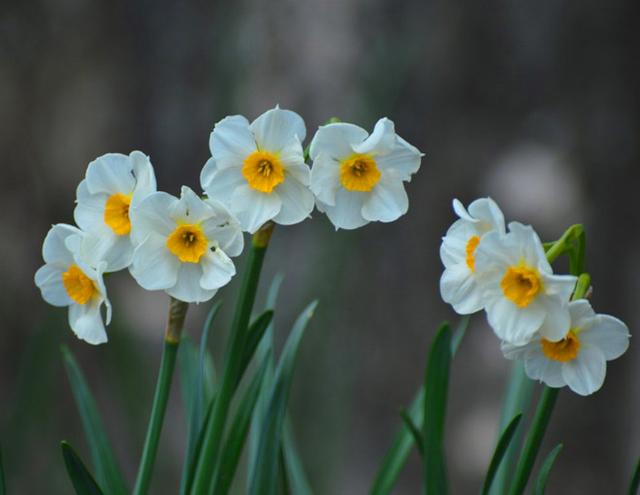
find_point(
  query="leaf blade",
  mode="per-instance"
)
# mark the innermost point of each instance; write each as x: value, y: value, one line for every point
x: 635, y: 480
x: 501, y: 448
x: 545, y: 470
x: 81, y: 478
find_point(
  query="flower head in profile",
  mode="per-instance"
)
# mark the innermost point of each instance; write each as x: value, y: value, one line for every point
x: 67, y: 280
x: 579, y: 360
x: 522, y: 296
x: 257, y: 169
x: 459, y: 284
x: 114, y: 183
x: 358, y: 178
x: 183, y: 245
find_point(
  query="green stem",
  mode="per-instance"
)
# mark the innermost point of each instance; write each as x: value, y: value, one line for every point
x: 233, y: 361
x: 177, y: 313
x: 534, y: 439
x: 562, y: 245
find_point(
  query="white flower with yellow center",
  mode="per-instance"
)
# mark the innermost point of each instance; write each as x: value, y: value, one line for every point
x: 258, y: 171
x: 66, y: 280
x: 579, y: 360
x: 358, y: 178
x: 183, y: 245
x: 114, y: 183
x: 459, y: 282
x: 521, y: 294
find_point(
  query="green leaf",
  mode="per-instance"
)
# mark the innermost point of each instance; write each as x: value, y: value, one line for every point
x: 435, y: 404
x: 265, y: 476
x: 293, y: 464
x: 83, y: 482
x: 501, y: 447
x: 635, y: 480
x: 459, y: 334
x: 106, y: 468
x: 414, y: 430
x: 254, y: 336
x: 190, y: 470
x: 3, y: 487
x: 545, y: 469
x: 238, y: 433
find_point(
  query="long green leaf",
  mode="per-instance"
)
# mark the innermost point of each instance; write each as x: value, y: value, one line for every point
x: 264, y: 481
x: 501, y: 448
x: 436, y: 386
x: 635, y: 480
x: 293, y: 464
x: 238, y: 433
x: 459, y: 334
x: 414, y: 430
x: 254, y: 335
x: 3, y: 486
x: 543, y: 475
x: 80, y: 477
x: 106, y: 468
x: 191, y: 469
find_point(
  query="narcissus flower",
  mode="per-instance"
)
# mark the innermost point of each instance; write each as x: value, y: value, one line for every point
x: 114, y: 183
x: 522, y: 296
x: 458, y: 284
x: 66, y: 280
x: 358, y: 178
x: 183, y: 245
x: 580, y: 358
x: 258, y: 171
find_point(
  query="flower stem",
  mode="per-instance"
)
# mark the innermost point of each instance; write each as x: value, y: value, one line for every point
x: 233, y: 360
x: 177, y: 313
x: 534, y: 439
x: 562, y: 245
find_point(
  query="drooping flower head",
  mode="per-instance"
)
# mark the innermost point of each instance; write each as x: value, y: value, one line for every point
x: 358, y: 178
x: 67, y: 280
x: 258, y: 171
x: 183, y: 245
x: 521, y: 294
x: 459, y: 285
x: 579, y: 360
x: 114, y: 183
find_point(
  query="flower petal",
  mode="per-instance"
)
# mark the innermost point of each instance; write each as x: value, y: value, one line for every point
x: 297, y: 202
x: 277, y: 128
x: 110, y: 173
x: 586, y: 373
x: 325, y: 179
x: 54, y: 249
x: 388, y: 200
x: 458, y: 288
x: 404, y: 159
x: 381, y: 141
x: 231, y: 141
x: 336, y: 141
x: 557, y: 321
x: 116, y: 251
x: 144, y: 174
x: 86, y: 322
x: 153, y: 266
x: 48, y: 278
x: 538, y: 367
x: 347, y: 212
x: 189, y: 208
x: 608, y: 334
x: 253, y: 208
x: 151, y: 215
x: 217, y: 270
x: 89, y: 211
x: 221, y: 184
x: 512, y: 324
x: 187, y: 287
x: 224, y: 229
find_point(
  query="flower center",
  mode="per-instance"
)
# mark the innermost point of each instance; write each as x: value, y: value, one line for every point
x: 79, y: 287
x: 263, y: 171
x: 521, y: 285
x: 564, y: 350
x: 359, y: 173
x: 116, y: 213
x: 470, y: 249
x: 188, y: 243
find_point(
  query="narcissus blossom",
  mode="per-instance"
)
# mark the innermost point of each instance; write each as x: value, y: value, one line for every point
x: 358, y: 178
x: 183, y: 245
x: 459, y: 283
x: 579, y: 360
x: 522, y: 296
x: 114, y: 183
x: 258, y: 171
x: 67, y: 280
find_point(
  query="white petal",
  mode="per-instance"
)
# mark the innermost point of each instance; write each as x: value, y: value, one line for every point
x: 538, y: 367
x: 221, y: 184
x: 144, y: 174
x: 453, y: 249
x: 530, y: 246
x: 347, y: 212
x: 557, y: 321
x: 116, y: 251
x: 223, y: 229
x: 48, y: 278
x: 512, y: 324
x: 253, y: 208
x: 86, y: 322
x: 486, y: 211
x: 495, y: 251
x: 381, y: 141
x: 297, y: 202
x: 559, y: 286
x: 336, y: 141
x: 608, y: 334
x: 190, y: 208
x: 277, y: 128
x: 586, y: 373
x: 325, y: 179
x: 151, y: 215
x: 187, y: 287
x: 231, y: 141
x: 54, y: 249
x: 458, y: 288
x: 582, y: 314
x: 153, y: 265
x: 217, y: 270
x: 388, y: 200
x: 513, y: 352
x: 403, y: 158
x: 292, y: 158
x: 89, y: 210
x: 110, y: 173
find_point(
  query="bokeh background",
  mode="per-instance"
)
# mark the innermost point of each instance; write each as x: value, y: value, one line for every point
x: 533, y: 103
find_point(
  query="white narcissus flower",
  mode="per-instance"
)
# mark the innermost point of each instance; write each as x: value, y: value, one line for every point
x: 579, y: 360
x: 114, y: 183
x: 521, y: 294
x: 183, y: 245
x: 258, y: 171
x: 358, y: 178
x: 459, y: 283
x: 66, y: 280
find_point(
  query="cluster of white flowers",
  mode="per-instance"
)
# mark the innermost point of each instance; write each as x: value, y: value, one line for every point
x: 562, y: 341
x: 256, y: 174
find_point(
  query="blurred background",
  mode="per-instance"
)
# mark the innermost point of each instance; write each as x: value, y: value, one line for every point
x: 533, y: 103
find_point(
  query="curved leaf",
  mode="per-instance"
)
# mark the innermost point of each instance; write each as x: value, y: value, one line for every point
x: 501, y: 447
x: 80, y: 477
x: 543, y: 475
x: 635, y: 480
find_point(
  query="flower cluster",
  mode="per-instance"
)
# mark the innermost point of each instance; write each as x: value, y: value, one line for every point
x: 506, y: 273
x: 257, y: 174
